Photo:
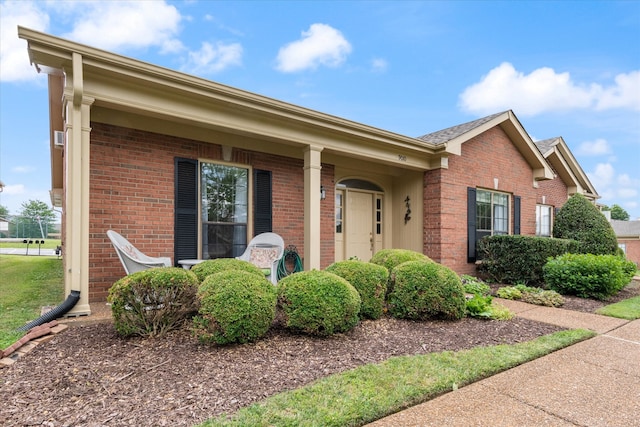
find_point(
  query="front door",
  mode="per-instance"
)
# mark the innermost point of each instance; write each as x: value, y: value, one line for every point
x: 359, y: 225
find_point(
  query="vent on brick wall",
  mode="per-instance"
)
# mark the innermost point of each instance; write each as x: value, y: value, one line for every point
x: 58, y: 139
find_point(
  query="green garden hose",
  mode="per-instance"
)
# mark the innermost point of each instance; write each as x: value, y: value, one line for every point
x: 290, y: 262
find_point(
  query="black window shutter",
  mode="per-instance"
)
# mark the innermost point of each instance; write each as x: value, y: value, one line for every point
x: 186, y: 209
x: 516, y: 214
x: 262, y: 214
x: 471, y: 224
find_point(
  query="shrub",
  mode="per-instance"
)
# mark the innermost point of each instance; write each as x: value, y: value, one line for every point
x: 317, y: 303
x: 370, y: 280
x: 479, y: 306
x: 587, y: 275
x: 235, y: 307
x: 424, y: 290
x: 531, y: 295
x: 580, y: 220
x: 509, y: 292
x: 212, y: 266
x: 391, y: 258
x: 516, y: 258
x: 475, y: 286
x: 153, y: 302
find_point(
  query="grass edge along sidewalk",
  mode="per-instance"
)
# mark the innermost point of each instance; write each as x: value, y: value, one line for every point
x: 370, y: 392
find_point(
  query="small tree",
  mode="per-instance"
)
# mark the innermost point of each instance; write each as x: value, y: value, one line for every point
x: 38, y: 214
x: 617, y: 212
x: 4, y: 212
x: 580, y: 220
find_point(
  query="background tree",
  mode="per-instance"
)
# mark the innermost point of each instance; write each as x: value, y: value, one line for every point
x: 4, y: 212
x: 38, y: 218
x: 580, y: 220
x: 617, y: 212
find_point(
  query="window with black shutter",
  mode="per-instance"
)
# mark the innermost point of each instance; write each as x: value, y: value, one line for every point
x: 262, y: 211
x: 186, y: 209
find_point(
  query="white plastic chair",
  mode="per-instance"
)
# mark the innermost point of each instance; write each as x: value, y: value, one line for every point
x: 265, y: 251
x: 132, y: 259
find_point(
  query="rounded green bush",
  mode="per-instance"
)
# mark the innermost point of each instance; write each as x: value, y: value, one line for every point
x: 391, y: 258
x: 587, y: 275
x: 317, y: 303
x: 213, y: 266
x: 370, y: 280
x: 580, y: 220
x: 154, y: 301
x: 235, y: 307
x: 425, y: 290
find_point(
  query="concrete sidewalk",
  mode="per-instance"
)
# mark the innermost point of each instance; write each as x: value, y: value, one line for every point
x: 592, y: 383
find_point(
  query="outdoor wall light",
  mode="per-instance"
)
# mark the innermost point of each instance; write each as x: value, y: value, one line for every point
x: 323, y: 193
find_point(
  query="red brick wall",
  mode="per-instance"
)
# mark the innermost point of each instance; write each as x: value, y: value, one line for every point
x: 555, y: 192
x: 485, y: 157
x: 632, y: 249
x: 132, y: 192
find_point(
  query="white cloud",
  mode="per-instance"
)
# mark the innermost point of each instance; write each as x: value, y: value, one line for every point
x: 594, y: 148
x: 14, y: 60
x: 602, y: 177
x: 379, y: 65
x: 625, y: 94
x: 13, y: 189
x: 321, y: 45
x: 22, y: 169
x: 545, y: 90
x: 615, y: 188
x: 120, y: 25
x: 210, y: 59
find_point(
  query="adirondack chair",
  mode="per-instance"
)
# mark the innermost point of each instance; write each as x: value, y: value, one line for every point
x: 265, y: 251
x: 132, y: 259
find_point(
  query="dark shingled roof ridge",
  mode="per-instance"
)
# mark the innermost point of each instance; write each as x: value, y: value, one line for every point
x: 453, y: 132
x: 545, y: 144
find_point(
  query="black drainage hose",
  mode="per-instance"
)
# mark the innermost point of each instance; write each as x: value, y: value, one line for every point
x: 58, y: 311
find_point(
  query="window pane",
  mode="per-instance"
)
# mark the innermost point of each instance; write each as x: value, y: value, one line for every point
x: 492, y: 212
x: 224, y: 193
x: 223, y: 240
x: 483, y: 210
x: 543, y: 220
x: 224, y: 198
x: 338, y: 212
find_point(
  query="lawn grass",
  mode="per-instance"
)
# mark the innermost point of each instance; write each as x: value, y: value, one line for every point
x: 626, y: 309
x: 28, y: 283
x: 17, y: 243
x: 370, y: 392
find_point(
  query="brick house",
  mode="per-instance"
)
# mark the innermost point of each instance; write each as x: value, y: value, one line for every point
x: 188, y: 168
x: 628, y: 235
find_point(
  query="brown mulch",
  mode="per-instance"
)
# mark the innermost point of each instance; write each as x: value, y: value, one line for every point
x: 89, y: 376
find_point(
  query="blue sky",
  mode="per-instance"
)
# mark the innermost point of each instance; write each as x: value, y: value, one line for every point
x: 566, y: 68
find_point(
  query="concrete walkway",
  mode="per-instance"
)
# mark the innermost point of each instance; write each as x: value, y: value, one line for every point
x: 592, y: 383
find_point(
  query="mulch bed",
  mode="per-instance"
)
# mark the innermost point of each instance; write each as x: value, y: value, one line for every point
x: 89, y: 376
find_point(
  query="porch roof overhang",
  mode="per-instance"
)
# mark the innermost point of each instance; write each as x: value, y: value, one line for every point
x: 569, y: 170
x: 172, y: 102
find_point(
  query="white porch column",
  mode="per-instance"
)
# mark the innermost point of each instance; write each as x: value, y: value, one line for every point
x: 312, y: 207
x: 77, y: 119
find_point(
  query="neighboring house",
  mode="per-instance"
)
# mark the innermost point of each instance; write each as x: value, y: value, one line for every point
x: 569, y: 179
x: 189, y: 168
x: 628, y: 234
